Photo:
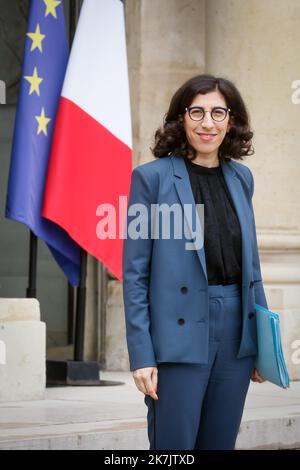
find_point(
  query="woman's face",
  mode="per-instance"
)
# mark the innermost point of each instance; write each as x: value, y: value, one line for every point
x: 206, y: 136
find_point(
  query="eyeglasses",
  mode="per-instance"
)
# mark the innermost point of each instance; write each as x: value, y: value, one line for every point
x: 218, y: 113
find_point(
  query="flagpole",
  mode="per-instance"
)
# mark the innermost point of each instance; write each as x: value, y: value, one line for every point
x: 74, y: 12
x: 80, y: 309
x: 33, y: 246
x: 75, y: 6
x: 71, y: 296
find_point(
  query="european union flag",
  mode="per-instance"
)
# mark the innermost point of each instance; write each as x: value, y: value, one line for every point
x: 44, y: 64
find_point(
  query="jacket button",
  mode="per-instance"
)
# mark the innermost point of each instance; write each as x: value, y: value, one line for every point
x: 250, y: 315
x: 183, y: 290
x: 180, y: 321
x: 251, y: 284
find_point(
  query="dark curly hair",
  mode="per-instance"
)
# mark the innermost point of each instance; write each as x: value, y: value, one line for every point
x: 171, y: 137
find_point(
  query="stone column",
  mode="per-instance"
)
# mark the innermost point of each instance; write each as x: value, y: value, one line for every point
x: 22, y: 350
x: 256, y: 44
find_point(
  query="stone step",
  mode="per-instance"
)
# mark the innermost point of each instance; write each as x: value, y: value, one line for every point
x: 114, y: 418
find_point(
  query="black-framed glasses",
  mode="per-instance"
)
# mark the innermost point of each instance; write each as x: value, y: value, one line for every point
x: 218, y: 113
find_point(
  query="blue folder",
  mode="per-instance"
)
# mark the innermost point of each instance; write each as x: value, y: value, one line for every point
x: 270, y: 363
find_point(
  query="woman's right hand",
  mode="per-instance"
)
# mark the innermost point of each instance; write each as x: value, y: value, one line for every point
x: 146, y: 381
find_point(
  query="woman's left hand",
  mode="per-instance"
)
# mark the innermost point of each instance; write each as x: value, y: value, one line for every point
x: 255, y: 377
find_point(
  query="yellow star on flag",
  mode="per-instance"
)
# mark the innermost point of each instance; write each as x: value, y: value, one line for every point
x: 34, y: 81
x: 51, y: 5
x: 37, y: 38
x: 42, y: 121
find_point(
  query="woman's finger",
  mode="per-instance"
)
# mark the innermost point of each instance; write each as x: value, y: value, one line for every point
x: 154, y: 379
x: 256, y: 377
x: 149, y: 387
x: 139, y: 384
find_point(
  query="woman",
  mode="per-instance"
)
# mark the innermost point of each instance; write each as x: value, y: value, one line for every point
x: 190, y: 313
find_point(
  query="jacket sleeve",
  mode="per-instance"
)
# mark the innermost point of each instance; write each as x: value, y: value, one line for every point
x: 260, y: 297
x: 136, y: 273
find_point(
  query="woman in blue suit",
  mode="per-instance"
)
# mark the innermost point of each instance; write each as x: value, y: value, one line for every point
x: 190, y: 298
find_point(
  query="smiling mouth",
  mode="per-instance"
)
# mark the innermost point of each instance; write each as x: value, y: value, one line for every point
x: 203, y: 134
x: 207, y: 137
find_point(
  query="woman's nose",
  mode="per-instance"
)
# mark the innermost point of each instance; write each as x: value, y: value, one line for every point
x: 207, y: 121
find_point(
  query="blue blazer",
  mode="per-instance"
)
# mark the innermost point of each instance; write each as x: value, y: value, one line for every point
x: 163, y: 282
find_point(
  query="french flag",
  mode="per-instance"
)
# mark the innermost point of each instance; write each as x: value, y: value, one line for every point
x: 91, y: 154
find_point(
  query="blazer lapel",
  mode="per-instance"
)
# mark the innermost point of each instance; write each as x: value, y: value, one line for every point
x: 184, y: 190
x: 241, y: 205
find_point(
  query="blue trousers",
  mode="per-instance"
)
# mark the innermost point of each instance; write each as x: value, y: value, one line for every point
x: 200, y: 406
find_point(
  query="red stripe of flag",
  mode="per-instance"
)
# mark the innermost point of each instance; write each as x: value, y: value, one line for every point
x: 88, y: 166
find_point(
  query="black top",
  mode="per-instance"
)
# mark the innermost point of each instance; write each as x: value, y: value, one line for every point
x: 222, y: 233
